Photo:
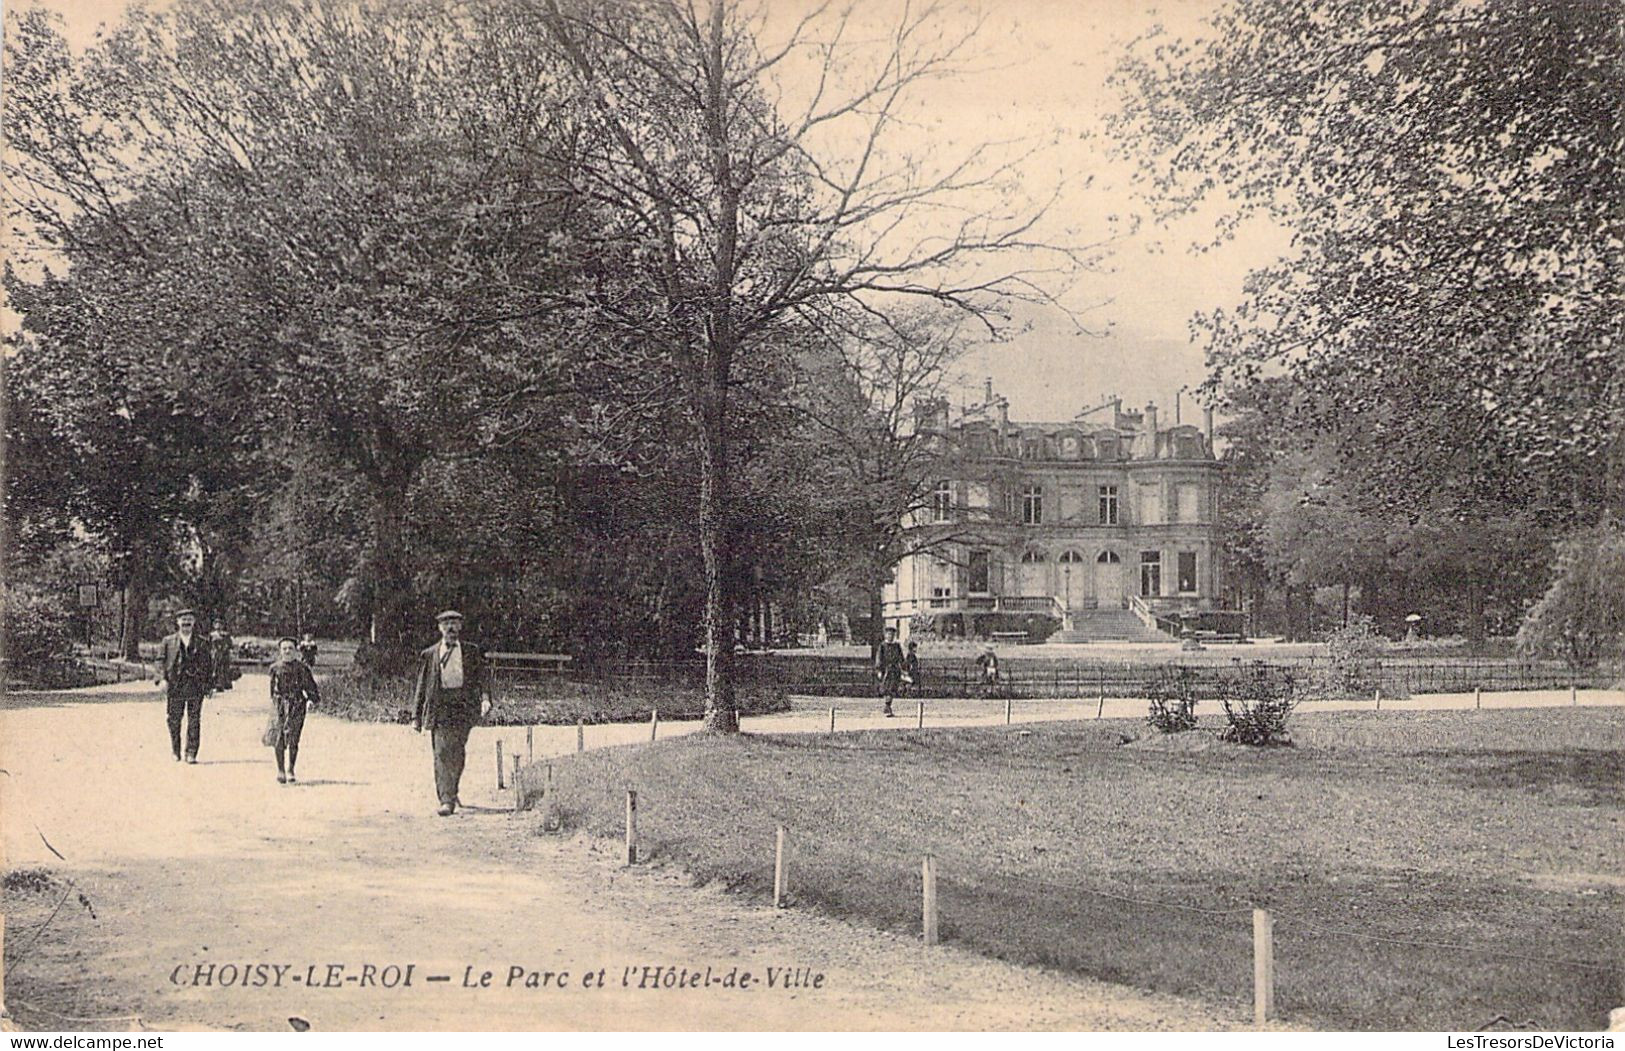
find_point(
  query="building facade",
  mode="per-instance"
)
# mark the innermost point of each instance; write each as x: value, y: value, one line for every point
x: 1108, y: 512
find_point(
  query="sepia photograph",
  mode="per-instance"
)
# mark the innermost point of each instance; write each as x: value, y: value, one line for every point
x: 875, y: 516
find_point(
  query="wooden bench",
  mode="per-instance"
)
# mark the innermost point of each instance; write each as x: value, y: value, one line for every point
x: 1008, y: 636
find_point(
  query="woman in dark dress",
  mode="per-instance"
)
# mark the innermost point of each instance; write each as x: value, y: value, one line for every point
x: 293, y: 690
x: 221, y: 652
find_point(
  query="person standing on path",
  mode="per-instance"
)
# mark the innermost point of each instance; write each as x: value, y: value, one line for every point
x: 452, y: 694
x: 889, y: 666
x: 307, y: 651
x: 293, y: 690
x: 220, y: 656
x: 911, y: 667
x: 186, y: 675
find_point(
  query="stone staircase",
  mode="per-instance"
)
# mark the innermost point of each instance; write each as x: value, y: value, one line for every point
x: 1108, y: 625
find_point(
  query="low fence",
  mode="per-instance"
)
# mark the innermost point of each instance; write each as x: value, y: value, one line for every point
x: 1044, y: 678
x: 1319, y: 959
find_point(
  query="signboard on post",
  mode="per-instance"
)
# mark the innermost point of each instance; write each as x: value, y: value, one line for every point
x: 89, y: 598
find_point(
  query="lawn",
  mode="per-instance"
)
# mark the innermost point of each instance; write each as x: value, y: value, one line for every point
x: 1429, y: 870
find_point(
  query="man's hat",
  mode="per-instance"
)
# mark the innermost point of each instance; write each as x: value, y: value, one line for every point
x: 449, y: 614
x: 287, y: 638
x: 185, y: 613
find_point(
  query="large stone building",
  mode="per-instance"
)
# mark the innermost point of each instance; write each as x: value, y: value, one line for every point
x: 1104, y: 522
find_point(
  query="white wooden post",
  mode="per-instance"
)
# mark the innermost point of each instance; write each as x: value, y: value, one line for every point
x: 518, y: 792
x: 928, y: 879
x: 1263, y: 966
x: 919, y: 722
x: 654, y: 722
x: 1478, y: 699
x: 581, y: 735
x: 832, y: 720
x: 631, y: 826
x: 530, y: 744
x: 1378, y: 696
x: 780, y: 842
x: 499, y: 764
x: 1007, y: 703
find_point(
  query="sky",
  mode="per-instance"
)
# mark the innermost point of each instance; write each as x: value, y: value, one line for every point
x: 1036, y: 74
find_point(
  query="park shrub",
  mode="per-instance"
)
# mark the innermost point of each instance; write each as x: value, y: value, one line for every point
x: 38, y: 627
x: 1257, y: 701
x: 1173, y: 700
x: 1353, y: 664
x: 364, y: 695
x: 1581, y: 617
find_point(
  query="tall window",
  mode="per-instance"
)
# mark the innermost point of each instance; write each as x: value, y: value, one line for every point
x: 1187, y: 572
x: 977, y: 573
x: 1032, y: 504
x: 1032, y: 448
x: 1108, y: 505
x: 942, y: 502
x: 1150, y: 573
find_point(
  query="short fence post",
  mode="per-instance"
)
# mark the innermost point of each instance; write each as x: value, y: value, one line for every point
x: 1100, y: 709
x: 928, y: 880
x: 499, y: 764
x: 547, y: 783
x: 1478, y: 700
x: 1379, y: 698
x: 581, y: 735
x: 737, y: 724
x: 631, y: 826
x: 530, y: 744
x: 779, y: 844
x: 919, y: 723
x: 654, y: 722
x: 1263, y: 966
x: 1007, y: 703
x: 832, y: 720
x: 518, y: 793
x: 1574, y: 693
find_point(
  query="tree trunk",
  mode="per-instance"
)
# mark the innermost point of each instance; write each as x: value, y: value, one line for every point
x: 877, y: 616
x: 1475, y: 613
x: 389, y: 574
x: 719, y: 642
x: 135, y: 615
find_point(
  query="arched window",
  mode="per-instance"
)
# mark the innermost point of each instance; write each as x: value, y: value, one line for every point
x: 1070, y: 558
x: 1030, y: 557
x: 1109, y: 558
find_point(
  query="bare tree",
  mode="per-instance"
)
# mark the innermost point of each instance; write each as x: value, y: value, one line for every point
x: 757, y: 186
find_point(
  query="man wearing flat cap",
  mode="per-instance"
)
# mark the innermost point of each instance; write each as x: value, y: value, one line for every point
x: 186, y: 675
x: 453, y: 693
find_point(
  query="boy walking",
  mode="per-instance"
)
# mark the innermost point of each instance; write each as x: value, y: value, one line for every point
x: 293, y: 690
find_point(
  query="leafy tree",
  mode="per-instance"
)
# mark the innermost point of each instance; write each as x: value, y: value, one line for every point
x: 1451, y: 174
x: 1448, y: 322
x: 359, y: 203
x: 1581, y: 617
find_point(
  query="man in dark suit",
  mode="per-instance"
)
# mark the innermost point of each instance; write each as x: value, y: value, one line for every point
x: 186, y: 675
x: 453, y: 693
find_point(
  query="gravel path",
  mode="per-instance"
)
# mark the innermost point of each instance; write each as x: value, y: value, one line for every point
x: 216, y: 865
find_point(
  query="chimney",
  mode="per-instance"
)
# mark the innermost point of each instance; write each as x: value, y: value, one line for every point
x: 987, y: 388
x: 1117, y: 411
x: 1151, y: 430
x: 1207, y: 425
x: 1004, y: 415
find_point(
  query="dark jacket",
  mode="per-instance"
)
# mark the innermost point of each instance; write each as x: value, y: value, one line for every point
x: 430, y: 708
x: 189, y: 671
